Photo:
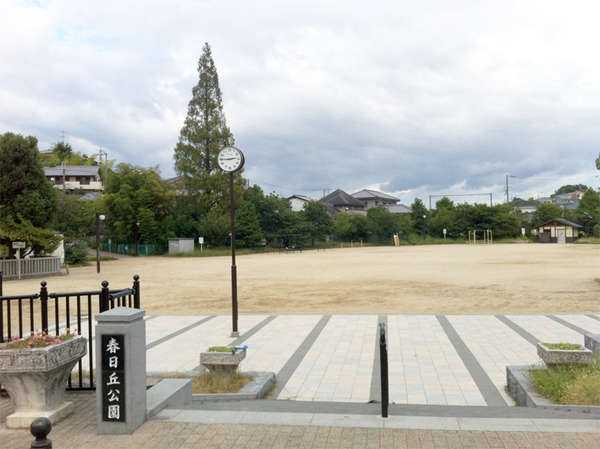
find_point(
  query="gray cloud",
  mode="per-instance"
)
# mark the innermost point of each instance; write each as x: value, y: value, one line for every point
x: 412, y: 98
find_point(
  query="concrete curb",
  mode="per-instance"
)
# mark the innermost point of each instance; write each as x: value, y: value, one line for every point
x: 168, y: 393
x: 520, y: 390
x: 257, y: 389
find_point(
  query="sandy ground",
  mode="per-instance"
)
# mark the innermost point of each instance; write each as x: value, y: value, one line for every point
x: 517, y: 278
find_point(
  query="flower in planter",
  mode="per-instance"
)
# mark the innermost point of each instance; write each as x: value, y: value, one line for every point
x: 38, y: 339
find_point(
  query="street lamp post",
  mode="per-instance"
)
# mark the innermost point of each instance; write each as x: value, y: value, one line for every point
x: 99, y: 217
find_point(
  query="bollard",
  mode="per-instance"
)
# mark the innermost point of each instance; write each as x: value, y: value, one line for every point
x: 383, y: 363
x: 40, y: 428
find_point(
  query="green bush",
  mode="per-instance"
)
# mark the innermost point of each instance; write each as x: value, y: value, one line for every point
x: 75, y: 251
x: 596, y: 231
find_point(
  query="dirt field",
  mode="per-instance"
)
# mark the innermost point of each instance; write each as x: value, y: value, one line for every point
x: 518, y: 278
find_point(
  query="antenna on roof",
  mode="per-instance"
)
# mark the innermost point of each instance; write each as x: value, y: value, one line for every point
x: 325, y: 192
x: 63, y: 135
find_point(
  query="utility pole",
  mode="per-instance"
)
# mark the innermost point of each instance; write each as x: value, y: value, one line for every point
x: 507, y: 197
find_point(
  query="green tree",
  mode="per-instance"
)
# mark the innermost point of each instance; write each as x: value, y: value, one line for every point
x: 546, y: 212
x: 215, y: 226
x: 588, y: 212
x: 317, y: 222
x: 62, y: 150
x: 598, y: 162
x: 382, y: 223
x: 248, y: 232
x: 569, y: 188
x: 419, y: 216
x: 275, y: 213
x: 350, y: 227
x: 138, y: 205
x: 203, y: 135
x: 28, y: 202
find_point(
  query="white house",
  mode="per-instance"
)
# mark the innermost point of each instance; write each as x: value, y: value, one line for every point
x: 75, y: 178
x: 298, y: 201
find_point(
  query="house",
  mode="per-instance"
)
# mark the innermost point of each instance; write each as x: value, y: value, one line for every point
x: 298, y: 201
x: 75, y: 178
x: 546, y: 200
x: 558, y: 230
x: 527, y: 208
x: 565, y: 200
x: 374, y: 198
x: 340, y: 201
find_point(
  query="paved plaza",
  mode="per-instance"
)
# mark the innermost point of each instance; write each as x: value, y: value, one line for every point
x: 447, y: 384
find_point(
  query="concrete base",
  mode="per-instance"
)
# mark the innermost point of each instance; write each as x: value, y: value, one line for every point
x: 168, y: 393
x: 22, y: 420
x: 592, y: 342
x: 520, y: 390
x: 257, y: 389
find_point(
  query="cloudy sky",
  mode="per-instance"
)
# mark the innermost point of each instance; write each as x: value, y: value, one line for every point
x: 414, y: 98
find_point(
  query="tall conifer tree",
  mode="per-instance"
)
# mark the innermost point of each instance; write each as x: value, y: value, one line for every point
x: 203, y: 135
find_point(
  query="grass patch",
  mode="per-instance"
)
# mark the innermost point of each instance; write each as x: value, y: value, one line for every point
x: 209, y: 383
x: 563, y: 346
x: 588, y: 241
x: 569, y: 384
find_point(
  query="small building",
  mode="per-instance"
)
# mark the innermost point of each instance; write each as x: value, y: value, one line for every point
x: 181, y: 245
x: 558, y: 230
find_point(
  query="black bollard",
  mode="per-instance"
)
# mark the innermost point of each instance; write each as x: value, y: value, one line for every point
x: 383, y: 363
x: 40, y: 428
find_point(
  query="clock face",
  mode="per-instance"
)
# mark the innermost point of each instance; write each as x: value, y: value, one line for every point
x: 231, y: 159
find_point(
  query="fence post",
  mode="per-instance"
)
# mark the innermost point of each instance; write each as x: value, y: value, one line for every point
x: 104, y: 297
x: 383, y: 363
x: 44, y: 304
x: 136, y: 291
x: 1, y: 294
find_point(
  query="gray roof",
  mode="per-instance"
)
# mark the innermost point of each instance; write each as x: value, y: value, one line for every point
x: 73, y: 170
x: 367, y: 194
x: 341, y: 198
x: 90, y: 196
x: 398, y: 208
x: 300, y: 197
x: 561, y: 220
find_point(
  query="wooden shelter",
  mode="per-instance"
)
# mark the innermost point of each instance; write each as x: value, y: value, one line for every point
x: 558, y: 230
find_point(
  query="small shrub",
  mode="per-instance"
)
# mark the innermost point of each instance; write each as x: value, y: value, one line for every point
x: 75, y: 251
x: 596, y: 231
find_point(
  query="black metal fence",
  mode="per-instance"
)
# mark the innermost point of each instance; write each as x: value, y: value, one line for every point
x: 54, y: 313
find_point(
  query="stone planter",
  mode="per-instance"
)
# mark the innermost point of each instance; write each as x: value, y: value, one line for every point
x: 36, y: 380
x: 223, y: 362
x: 564, y: 356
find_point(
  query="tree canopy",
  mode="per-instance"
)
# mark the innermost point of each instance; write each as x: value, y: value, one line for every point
x: 203, y: 135
x: 28, y: 202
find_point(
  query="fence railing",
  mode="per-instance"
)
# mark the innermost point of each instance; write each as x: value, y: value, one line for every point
x: 55, y: 312
x: 37, y: 266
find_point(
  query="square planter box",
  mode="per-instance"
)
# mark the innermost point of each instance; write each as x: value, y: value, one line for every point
x: 222, y: 362
x: 564, y: 356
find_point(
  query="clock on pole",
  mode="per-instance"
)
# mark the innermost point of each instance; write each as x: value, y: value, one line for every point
x: 231, y: 160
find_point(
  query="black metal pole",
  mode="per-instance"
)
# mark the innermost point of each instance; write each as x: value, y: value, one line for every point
x: 97, y: 242
x: 383, y: 363
x: 234, y: 299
